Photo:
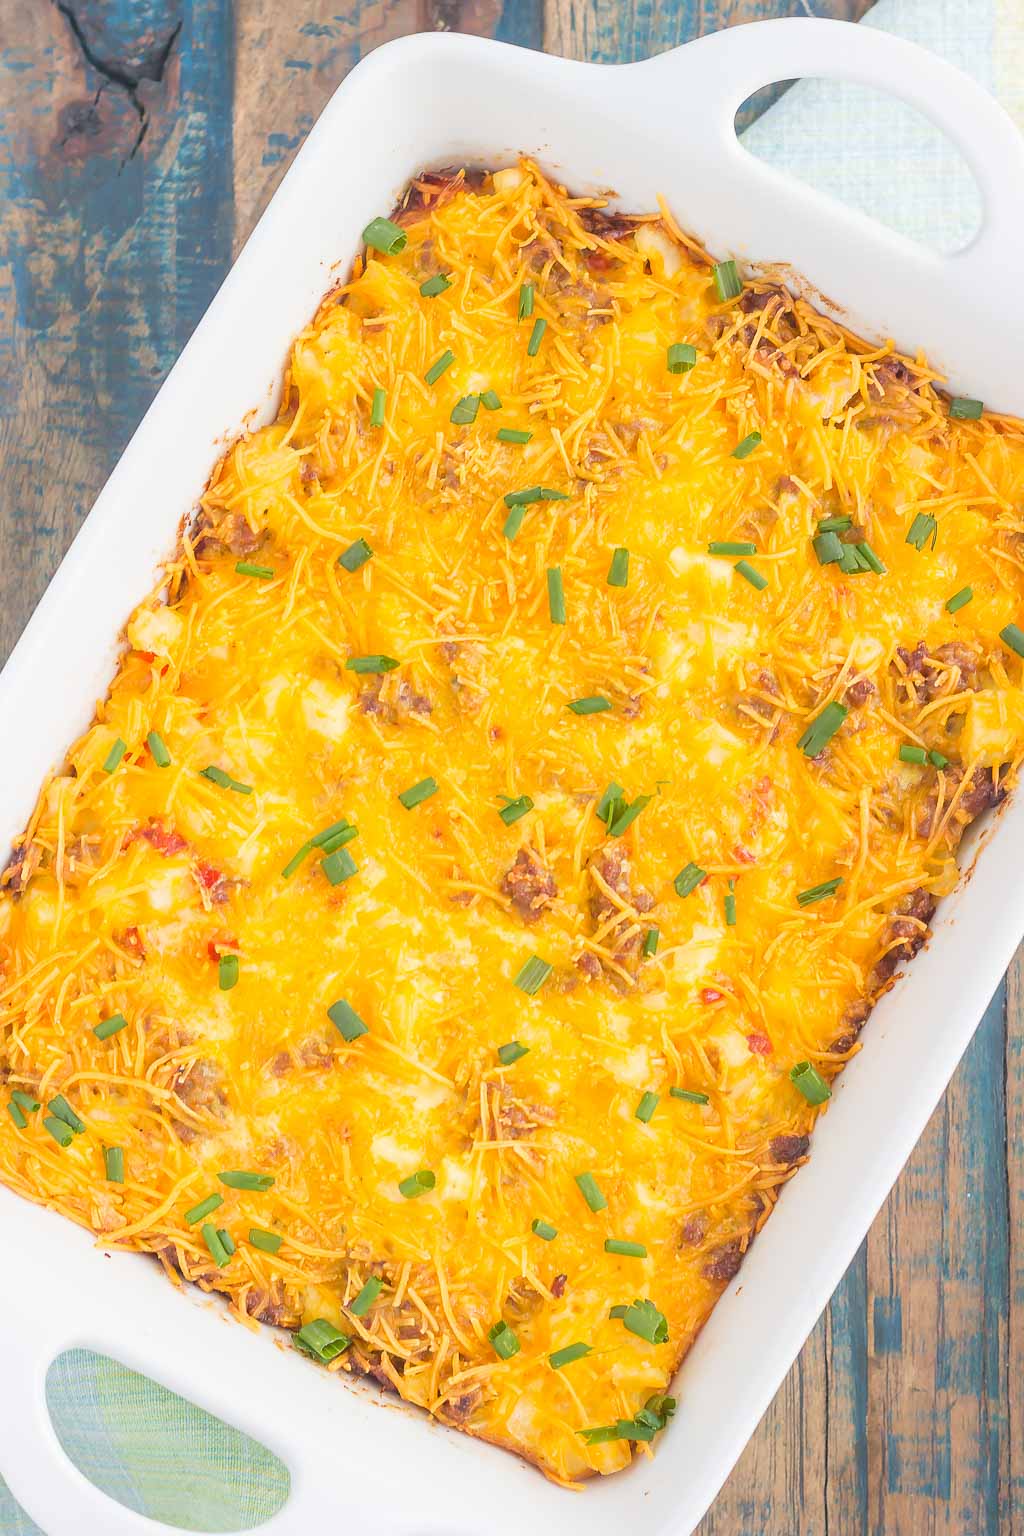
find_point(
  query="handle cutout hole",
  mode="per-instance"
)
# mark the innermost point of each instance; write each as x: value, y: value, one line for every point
x: 156, y: 1452
x: 873, y: 152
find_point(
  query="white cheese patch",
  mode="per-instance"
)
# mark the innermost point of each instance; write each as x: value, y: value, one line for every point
x: 326, y: 710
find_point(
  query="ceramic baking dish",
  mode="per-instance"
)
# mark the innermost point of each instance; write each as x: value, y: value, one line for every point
x: 665, y: 126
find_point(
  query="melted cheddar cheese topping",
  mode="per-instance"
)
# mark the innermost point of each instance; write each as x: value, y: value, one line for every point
x: 807, y: 724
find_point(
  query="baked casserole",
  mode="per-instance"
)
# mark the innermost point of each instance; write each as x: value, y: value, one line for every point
x: 550, y: 737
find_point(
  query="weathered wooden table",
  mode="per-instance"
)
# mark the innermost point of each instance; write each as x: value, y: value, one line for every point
x: 138, y: 144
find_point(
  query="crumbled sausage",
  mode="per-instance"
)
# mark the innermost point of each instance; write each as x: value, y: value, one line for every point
x: 694, y: 1230
x: 20, y: 868
x: 724, y: 1263
x: 514, y: 1118
x: 199, y: 1086
x: 788, y: 1149
x: 522, y: 1302
x: 853, y: 1022
x: 529, y: 885
x: 394, y: 701
x: 925, y: 675
x: 858, y: 692
x: 907, y: 932
x: 624, y: 937
x: 558, y: 1285
x: 983, y: 791
x: 272, y: 1306
x: 232, y: 534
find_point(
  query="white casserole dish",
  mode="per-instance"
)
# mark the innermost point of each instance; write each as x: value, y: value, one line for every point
x: 665, y: 126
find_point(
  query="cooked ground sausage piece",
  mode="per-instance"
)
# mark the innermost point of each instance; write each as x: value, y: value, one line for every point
x: 925, y: 675
x: 982, y: 792
x: 909, y: 926
x: 788, y: 1149
x: 529, y: 885
x: 724, y: 1263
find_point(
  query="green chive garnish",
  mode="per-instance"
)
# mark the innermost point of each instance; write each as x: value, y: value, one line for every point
x: 623, y: 1249
x: 688, y: 879
x: 534, y: 493
x: 923, y: 528
x: 417, y: 1184
x: 746, y: 447
x: 556, y: 595
x: 513, y: 810
x: 436, y: 369
x: 158, y: 749
x: 868, y: 555
x: 593, y: 704
x: 227, y: 972
x: 566, y: 1356
x: 218, y: 1252
x: 644, y: 1319
x: 622, y: 814
x: 227, y: 1240
x: 385, y: 236
x: 503, y: 1340
x: 61, y: 1133
x: 690, y: 1095
x: 835, y: 524
x: 742, y: 568
x: 339, y: 866
x: 346, y: 1021
x: 330, y: 834
x: 113, y: 1164
x: 937, y: 760
x: 828, y: 547
x: 375, y: 663
x: 61, y: 1110
x: 17, y: 1114
x: 24, y: 1100
x: 1012, y: 636
x: 730, y: 905
x: 819, y: 892
x: 435, y: 285
x: 645, y: 1109
x: 810, y: 1082
x: 590, y: 1191
x: 618, y: 571
x: 110, y: 1026
x: 295, y: 860
x: 727, y: 281
x: 532, y: 975
x: 536, y: 337
x: 239, y: 1178
x: 366, y: 1298
x: 224, y: 780
x: 417, y: 793
x: 543, y: 1229
x: 821, y: 729
x: 513, y: 1051
x: 246, y: 568
x: 913, y: 754
x: 514, y: 522
x: 464, y: 410
x: 322, y: 1340
x: 731, y: 547
x: 526, y: 301
x: 651, y: 942
x: 652, y: 1418
x: 203, y: 1209
x: 491, y: 400
x: 513, y: 435
x: 380, y: 400
x: 605, y: 808
x: 959, y: 600
x: 965, y: 410
x: 266, y: 1242
x: 681, y: 357
x: 115, y: 755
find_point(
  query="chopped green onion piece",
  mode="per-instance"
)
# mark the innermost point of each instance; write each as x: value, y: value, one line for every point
x: 965, y: 410
x: 959, y: 600
x: 25, y: 1100
x: 240, y: 1178
x: 320, y: 838
x: 828, y: 547
x: 17, y: 1114
x: 111, y: 1026
x: 227, y: 972
x: 224, y: 780
x: 618, y: 571
x: 366, y: 1298
x: 536, y: 337
x: 504, y: 1341
x: 937, y: 760
x: 383, y: 235
x: 688, y: 879
x: 566, y: 1356
x: 543, y: 1229
x: 435, y: 285
x: 375, y: 663
x: 113, y: 1164
x: 869, y: 557
x: 295, y: 860
x: 819, y: 892
x: 727, y: 280
x: 246, y: 568
x: 60, y: 1108
x: 690, y: 1095
x: 532, y: 976
x: 513, y: 1051
x: 218, y: 1252
x: 624, y: 1249
x: 417, y: 1184
x: 645, y: 1109
x: 746, y: 447
x: 514, y: 522
x: 513, y: 435
x: 60, y: 1132
x: 835, y: 524
x: 731, y: 547
x: 750, y: 574
x: 491, y: 400
x: 617, y: 1313
x: 730, y: 905
x: 417, y: 793
x: 1012, y: 636
x: 923, y: 528
x: 526, y: 301
x: 512, y: 810
x: 227, y: 1240
x: 115, y: 755
x: 652, y: 1418
x: 822, y: 728
x: 806, y: 1077
x: 651, y: 942
x: 464, y: 410
x: 534, y: 493
x: 380, y: 400
x: 644, y: 1319
x: 601, y: 1434
x: 913, y: 754
x: 338, y: 839
x: 593, y: 704
x: 266, y: 1242
x: 590, y: 1191
x: 436, y: 369
x: 322, y: 1340
x: 681, y: 357
x: 604, y: 810
x: 556, y: 595
x: 355, y: 556
x: 622, y: 815
x: 346, y: 1021
x: 203, y: 1209
x: 158, y: 749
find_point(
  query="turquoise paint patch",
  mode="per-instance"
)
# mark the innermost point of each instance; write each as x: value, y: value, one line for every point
x: 887, y: 1325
